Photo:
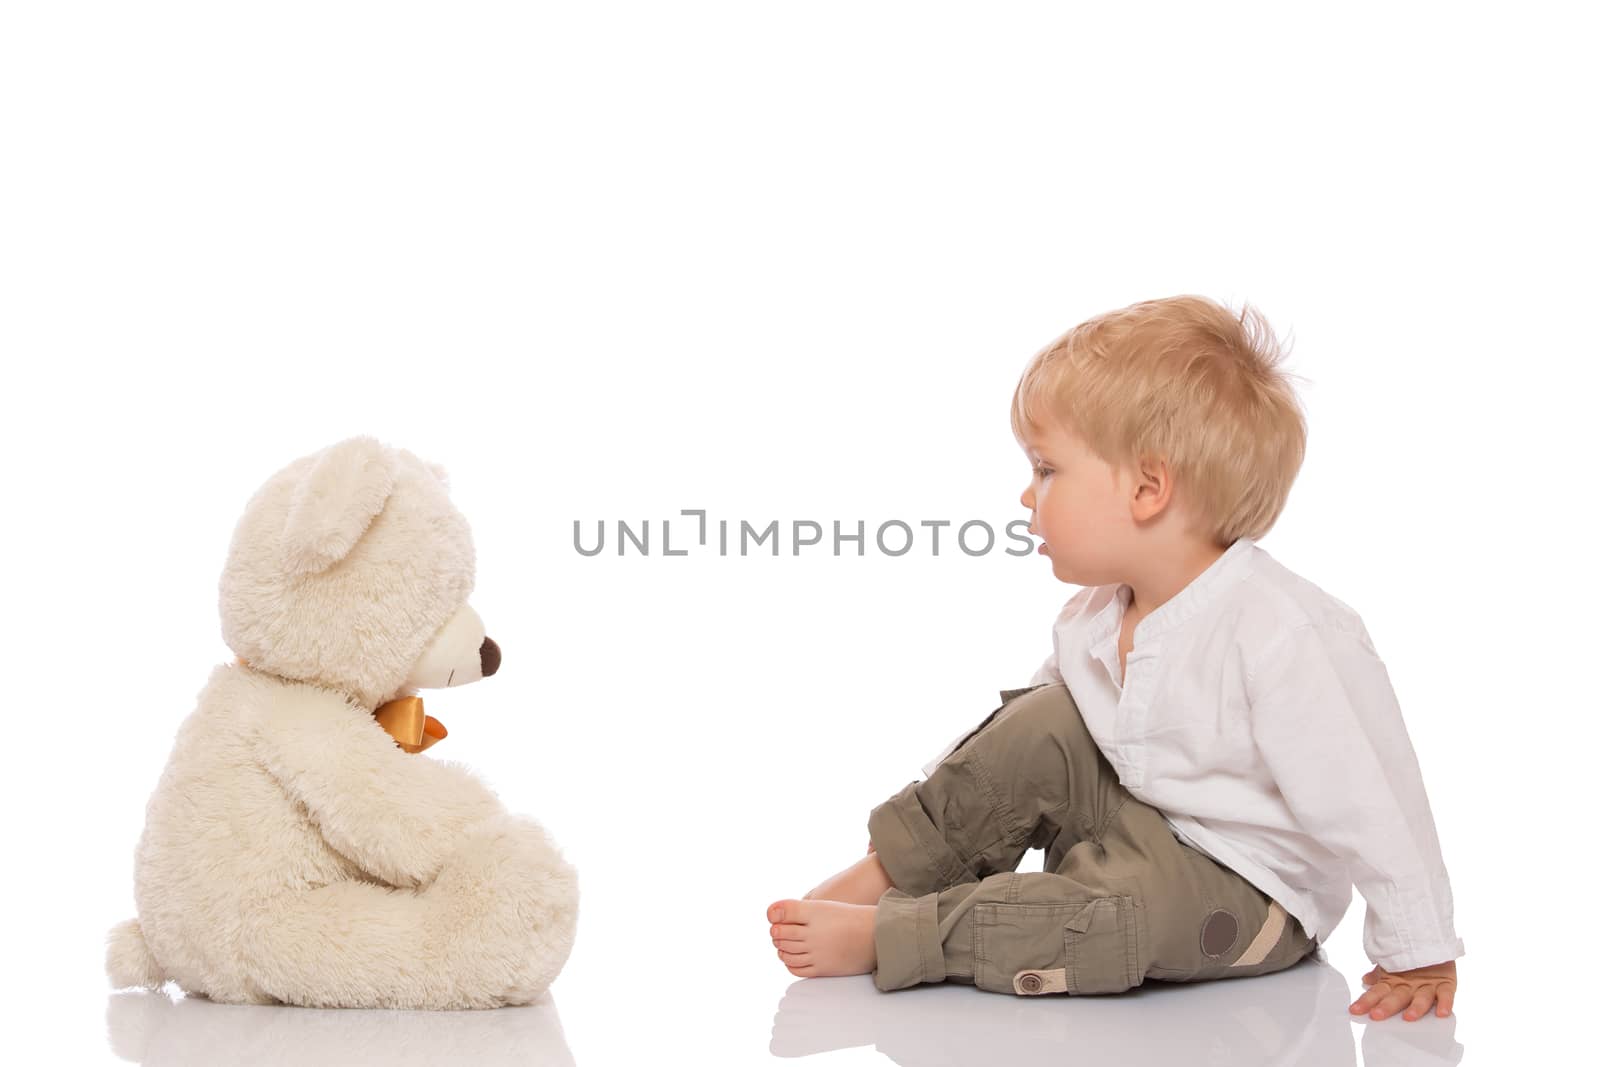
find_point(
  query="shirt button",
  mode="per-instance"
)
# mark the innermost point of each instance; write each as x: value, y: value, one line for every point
x: 1031, y: 983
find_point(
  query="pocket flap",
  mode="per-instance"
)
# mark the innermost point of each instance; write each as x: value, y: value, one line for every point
x: 1083, y: 919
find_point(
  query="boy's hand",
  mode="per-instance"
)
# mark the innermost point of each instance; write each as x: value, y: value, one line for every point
x: 1392, y: 990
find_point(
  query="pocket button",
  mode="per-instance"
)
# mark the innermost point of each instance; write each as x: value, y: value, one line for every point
x: 1032, y: 983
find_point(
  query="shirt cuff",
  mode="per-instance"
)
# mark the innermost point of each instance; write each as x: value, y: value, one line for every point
x: 1425, y: 956
x: 905, y: 934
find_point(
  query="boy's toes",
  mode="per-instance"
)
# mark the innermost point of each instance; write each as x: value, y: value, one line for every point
x: 788, y: 932
x: 798, y: 963
x: 786, y: 911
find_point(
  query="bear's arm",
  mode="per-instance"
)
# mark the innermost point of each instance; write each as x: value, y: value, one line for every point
x: 396, y: 815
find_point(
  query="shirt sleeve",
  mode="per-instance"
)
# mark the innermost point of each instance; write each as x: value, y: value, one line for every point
x: 1324, y: 716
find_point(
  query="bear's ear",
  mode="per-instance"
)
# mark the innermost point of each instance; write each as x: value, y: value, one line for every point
x: 335, y: 502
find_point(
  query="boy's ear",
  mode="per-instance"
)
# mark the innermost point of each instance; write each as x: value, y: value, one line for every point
x: 335, y: 502
x: 1152, y: 487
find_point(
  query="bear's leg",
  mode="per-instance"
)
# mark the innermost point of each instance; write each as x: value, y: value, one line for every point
x: 494, y: 928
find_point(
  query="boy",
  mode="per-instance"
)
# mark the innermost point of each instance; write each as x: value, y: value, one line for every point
x: 1211, y: 753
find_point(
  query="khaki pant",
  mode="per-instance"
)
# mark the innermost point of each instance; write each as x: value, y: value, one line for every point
x: 1120, y: 898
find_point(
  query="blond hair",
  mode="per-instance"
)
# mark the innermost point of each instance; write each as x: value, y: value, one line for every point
x: 1186, y: 380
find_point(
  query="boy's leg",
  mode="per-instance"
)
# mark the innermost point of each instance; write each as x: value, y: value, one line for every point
x: 1133, y: 904
x: 1123, y: 898
x: 1030, y: 776
x: 863, y: 882
x: 1129, y: 903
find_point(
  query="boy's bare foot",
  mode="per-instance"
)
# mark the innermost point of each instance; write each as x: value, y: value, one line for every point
x: 824, y: 938
x: 863, y: 882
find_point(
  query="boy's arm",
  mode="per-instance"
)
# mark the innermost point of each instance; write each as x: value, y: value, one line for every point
x: 1324, y: 716
x: 394, y: 814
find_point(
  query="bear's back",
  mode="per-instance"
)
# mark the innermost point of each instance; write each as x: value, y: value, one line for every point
x: 221, y: 838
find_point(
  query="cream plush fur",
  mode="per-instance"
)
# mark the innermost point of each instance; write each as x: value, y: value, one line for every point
x: 292, y: 851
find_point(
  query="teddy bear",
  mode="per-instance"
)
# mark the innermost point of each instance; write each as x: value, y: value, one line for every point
x: 303, y: 846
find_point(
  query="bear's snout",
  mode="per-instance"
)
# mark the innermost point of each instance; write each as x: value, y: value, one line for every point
x: 489, y: 656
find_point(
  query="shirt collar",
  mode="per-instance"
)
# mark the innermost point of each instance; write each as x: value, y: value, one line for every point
x: 1201, y: 590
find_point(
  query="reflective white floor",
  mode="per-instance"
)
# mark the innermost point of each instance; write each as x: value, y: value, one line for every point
x: 152, y: 1028
x: 1295, y: 1017
x: 1292, y: 1017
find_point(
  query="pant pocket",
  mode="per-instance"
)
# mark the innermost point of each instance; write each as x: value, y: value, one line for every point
x: 1101, y: 947
x: 1076, y: 946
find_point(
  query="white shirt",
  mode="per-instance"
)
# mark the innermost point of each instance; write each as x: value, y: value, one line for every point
x: 1257, y: 716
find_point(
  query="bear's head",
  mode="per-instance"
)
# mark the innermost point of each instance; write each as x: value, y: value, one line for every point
x: 350, y: 569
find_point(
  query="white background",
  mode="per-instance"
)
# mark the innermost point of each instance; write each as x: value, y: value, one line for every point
x: 611, y: 262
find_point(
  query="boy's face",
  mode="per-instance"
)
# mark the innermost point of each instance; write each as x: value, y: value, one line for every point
x: 1080, y: 507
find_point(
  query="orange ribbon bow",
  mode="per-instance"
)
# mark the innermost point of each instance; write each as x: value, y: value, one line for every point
x: 403, y: 720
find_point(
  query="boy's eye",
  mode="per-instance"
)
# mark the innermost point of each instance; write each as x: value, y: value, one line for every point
x: 1043, y: 472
